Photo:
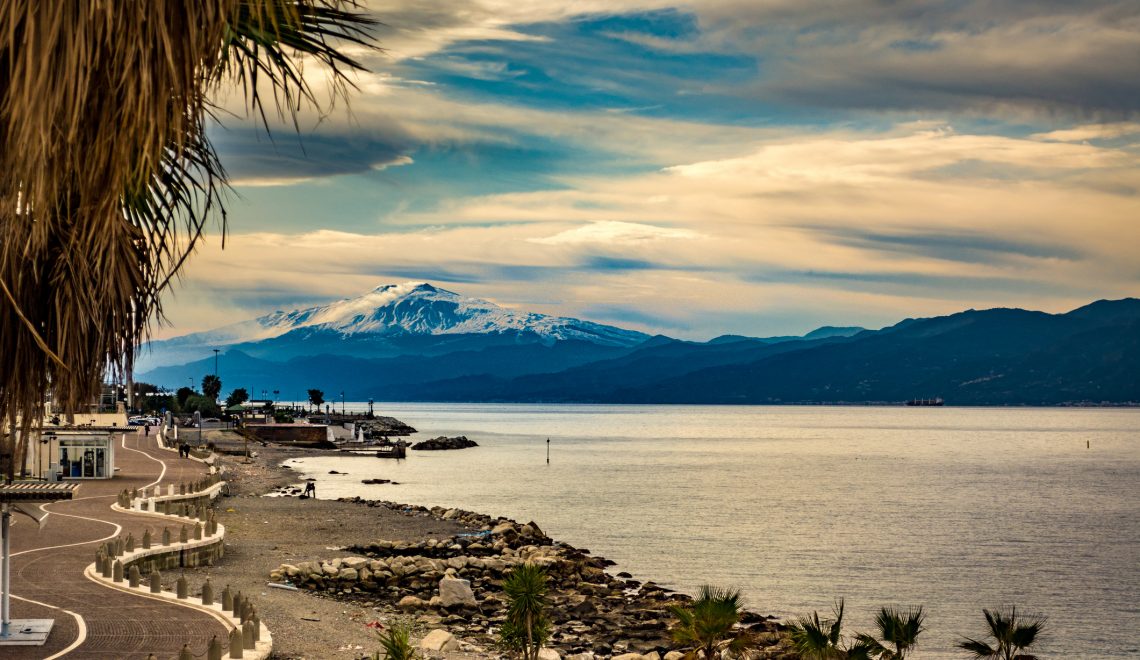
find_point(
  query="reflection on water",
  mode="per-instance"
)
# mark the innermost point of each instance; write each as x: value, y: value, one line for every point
x: 953, y: 508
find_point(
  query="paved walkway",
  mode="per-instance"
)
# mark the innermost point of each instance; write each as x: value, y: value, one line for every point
x: 93, y: 621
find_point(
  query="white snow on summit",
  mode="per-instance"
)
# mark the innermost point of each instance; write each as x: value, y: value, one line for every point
x: 422, y: 309
x: 411, y: 308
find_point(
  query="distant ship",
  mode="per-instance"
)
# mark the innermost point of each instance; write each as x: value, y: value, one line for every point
x: 937, y: 401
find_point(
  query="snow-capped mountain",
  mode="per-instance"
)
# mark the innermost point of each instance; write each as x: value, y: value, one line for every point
x: 371, y: 323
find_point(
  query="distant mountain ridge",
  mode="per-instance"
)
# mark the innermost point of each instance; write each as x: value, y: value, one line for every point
x: 425, y: 344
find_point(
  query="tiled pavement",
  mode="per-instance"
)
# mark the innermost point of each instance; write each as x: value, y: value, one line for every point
x: 48, y: 564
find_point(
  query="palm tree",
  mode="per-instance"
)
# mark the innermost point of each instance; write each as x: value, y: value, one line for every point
x: 1012, y: 634
x: 816, y: 639
x: 107, y: 176
x: 211, y: 387
x: 708, y: 624
x: 527, y: 627
x: 898, y: 632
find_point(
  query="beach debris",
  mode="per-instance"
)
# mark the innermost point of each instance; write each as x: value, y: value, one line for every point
x: 283, y: 585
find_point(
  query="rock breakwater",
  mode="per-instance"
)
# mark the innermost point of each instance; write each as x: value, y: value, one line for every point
x: 456, y: 583
x: 442, y: 443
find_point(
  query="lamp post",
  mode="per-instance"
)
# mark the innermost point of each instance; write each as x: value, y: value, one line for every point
x: 216, y: 362
x: 342, y: 402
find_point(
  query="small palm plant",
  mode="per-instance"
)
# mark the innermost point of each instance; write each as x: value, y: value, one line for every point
x: 396, y: 642
x: 527, y: 628
x: 821, y: 639
x: 816, y: 639
x: 1012, y: 634
x: 898, y: 633
x: 708, y: 624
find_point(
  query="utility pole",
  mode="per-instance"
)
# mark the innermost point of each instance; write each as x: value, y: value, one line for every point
x: 216, y: 362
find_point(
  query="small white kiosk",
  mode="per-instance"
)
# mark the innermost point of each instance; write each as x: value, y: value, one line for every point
x: 67, y: 453
x: 85, y: 455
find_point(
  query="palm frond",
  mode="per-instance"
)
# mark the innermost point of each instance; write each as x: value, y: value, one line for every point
x: 265, y: 36
x: 977, y: 648
x: 107, y: 178
x: 871, y: 645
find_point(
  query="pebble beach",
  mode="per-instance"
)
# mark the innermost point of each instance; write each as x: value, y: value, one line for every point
x: 327, y: 574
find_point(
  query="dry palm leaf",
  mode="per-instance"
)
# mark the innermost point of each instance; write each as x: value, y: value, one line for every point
x: 107, y: 177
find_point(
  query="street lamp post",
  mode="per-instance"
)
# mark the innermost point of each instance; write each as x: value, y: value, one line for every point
x: 342, y: 412
x: 216, y: 362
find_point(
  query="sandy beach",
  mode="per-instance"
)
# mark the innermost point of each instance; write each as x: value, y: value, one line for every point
x: 264, y: 532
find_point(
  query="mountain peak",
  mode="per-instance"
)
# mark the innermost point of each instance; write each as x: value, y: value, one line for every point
x: 409, y: 309
x: 405, y: 288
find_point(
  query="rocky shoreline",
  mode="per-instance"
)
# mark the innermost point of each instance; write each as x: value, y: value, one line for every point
x: 454, y: 586
x: 358, y: 565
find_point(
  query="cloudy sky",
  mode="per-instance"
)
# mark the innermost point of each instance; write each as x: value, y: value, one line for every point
x: 698, y: 168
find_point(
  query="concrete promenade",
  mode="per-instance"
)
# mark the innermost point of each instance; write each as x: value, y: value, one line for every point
x: 91, y: 620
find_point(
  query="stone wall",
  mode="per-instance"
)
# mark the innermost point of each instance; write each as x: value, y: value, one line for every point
x: 179, y: 556
x: 303, y: 435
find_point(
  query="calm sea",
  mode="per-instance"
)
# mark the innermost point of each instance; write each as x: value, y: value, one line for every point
x: 952, y: 508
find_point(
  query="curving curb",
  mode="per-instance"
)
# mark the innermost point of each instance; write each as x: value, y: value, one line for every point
x: 262, y: 649
x: 238, y: 627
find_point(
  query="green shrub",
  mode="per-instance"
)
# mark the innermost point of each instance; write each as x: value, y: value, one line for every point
x: 396, y: 643
x: 527, y: 628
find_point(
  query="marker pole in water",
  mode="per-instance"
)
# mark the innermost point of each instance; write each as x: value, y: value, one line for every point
x: 548, y: 451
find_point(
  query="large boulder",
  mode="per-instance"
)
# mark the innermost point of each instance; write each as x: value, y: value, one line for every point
x: 439, y: 640
x: 454, y: 592
x: 548, y: 654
